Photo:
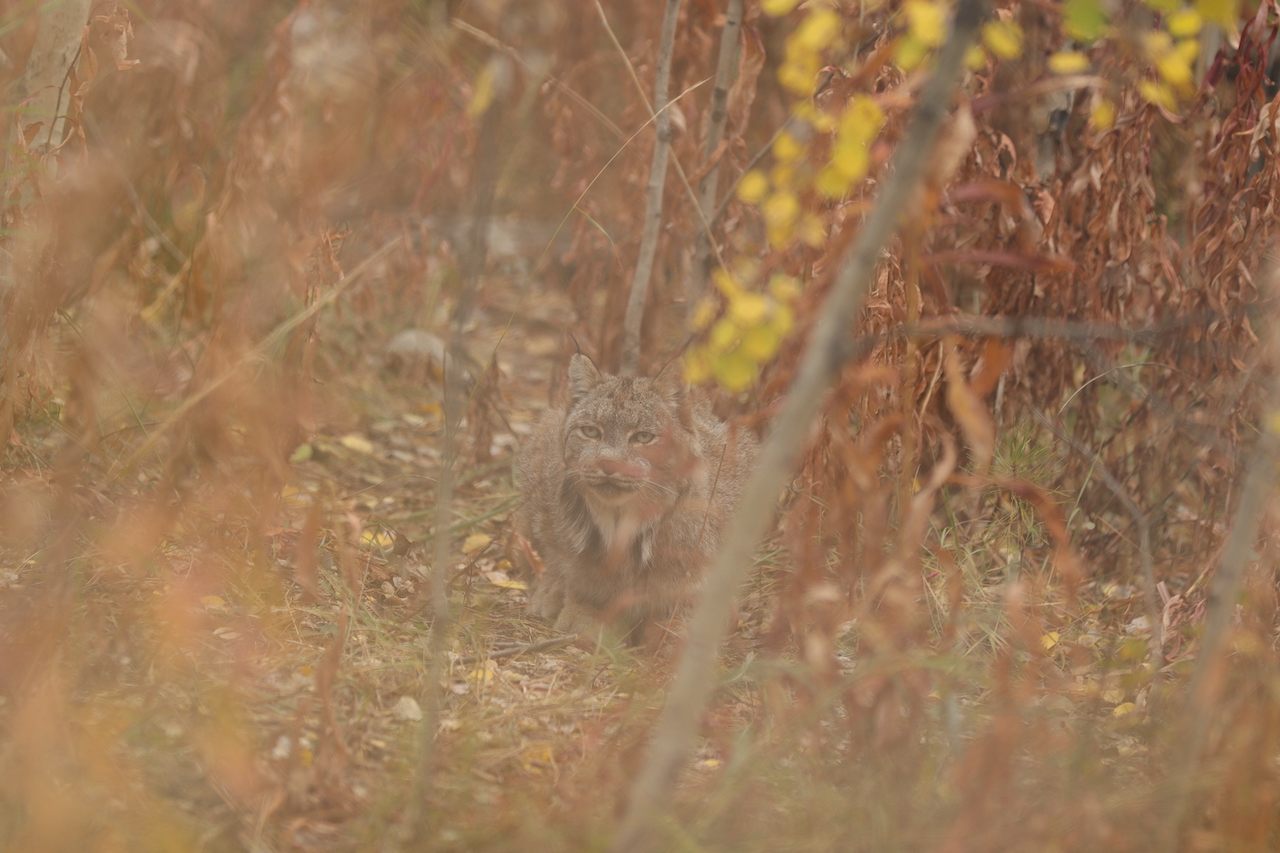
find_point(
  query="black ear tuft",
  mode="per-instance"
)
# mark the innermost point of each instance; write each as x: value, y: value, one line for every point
x: 583, y: 376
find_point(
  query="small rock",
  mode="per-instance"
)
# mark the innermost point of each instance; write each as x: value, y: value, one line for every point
x: 407, y: 708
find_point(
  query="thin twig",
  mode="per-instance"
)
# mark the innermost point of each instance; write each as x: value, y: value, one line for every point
x: 513, y: 651
x: 1150, y: 594
x: 708, y: 189
x: 442, y: 620
x: 653, y: 205
x: 703, y: 222
x: 825, y: 355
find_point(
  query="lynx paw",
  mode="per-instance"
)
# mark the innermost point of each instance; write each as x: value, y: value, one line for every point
x: 576, y: 619
x: 547, y: 600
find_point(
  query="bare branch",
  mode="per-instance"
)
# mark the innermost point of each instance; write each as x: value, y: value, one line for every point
x: 653, y: 206
x: 44, y: 79
x: 726, y: 70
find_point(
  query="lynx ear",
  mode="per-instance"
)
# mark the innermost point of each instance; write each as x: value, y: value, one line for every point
x: 670, y: 382
x: 583, y: 376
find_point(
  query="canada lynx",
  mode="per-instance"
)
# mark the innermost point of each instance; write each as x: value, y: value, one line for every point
x: 627, y: 488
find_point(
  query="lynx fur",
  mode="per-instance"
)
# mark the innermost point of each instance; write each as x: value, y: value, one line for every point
x: 628, y: 486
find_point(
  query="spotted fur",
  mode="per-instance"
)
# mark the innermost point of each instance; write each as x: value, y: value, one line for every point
x: 627, y: 487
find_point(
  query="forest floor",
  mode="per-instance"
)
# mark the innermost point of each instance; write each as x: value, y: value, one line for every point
x: 216, y: 708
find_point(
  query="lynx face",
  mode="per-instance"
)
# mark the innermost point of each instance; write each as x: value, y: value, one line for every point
x: 625, y: 443
x: 627, y: 486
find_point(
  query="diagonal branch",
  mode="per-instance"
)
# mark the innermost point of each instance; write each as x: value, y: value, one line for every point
x: 1205, y: 692
x: 825, y: 355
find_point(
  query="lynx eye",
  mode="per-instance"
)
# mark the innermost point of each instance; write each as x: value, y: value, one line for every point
x: 642, y: 437
x: 589, y: 431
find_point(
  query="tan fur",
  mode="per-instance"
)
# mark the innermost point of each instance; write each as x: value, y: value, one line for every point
x: 623, y: 523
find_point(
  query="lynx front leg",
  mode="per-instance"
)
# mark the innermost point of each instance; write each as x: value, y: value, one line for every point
x: 579, y: 619
x: 547, y: 600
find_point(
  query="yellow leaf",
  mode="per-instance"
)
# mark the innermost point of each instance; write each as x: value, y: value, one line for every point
x: 293, y: 497
x: 786, y: 148
x: 697, y: 367
x: 1219, y: 11
x: 1184, y: 23
x: 823, y: 122
x: 861, y: 121
x: 301, y: 453
x: 475, y: 543
x: 481, y: 676
x: 753, y: 187
x: 796, y: 75
x: 734, y: 371
x: 748, y: 310
x: 377, y: 539
x: 1084, y: 20
x: 975, y: 58
x: 1103, y: 114
x: 358, y: 443
x: 779, y: 235
x: 785, y: 288
x: 812, y: 230
x: 781, y: 210
x: 511, y: 584
x: 1124, y: 708
x: 1157, y: 42
x: 704, y: 312
x: 1068, y: 62
x: 213, y: 602
x: 1188, y: 49
x: 818, y: 30
x: 778, y: 7
x: 761, y: 343
x: 536, y: 757
x: 1003, y: 38
x: 482, y: 93
x: 927, y: 21
x: 726, y: 284
x: 1113, y: 695
x: 1172, y: 64
x: 831, y: 182
x: 851, y: 160
x: 724, y: 334
x: 1049, y: 640
x: 1157, y: 93
x: 910, y: 52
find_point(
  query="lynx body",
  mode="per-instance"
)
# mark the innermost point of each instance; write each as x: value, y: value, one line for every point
x: 627, y: 489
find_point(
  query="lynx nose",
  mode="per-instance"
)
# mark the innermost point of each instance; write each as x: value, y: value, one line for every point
x: 618, y: 468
